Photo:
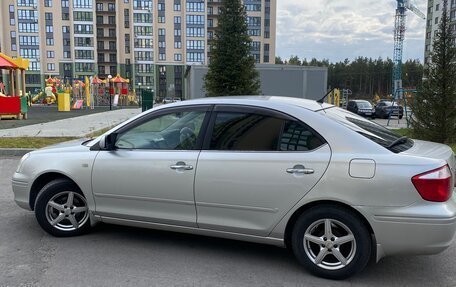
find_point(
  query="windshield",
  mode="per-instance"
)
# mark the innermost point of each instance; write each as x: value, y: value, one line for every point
x: 369, y: 129
x: 364, y: 105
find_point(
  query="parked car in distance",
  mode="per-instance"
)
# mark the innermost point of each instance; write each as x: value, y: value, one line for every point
x: 362, y: 108
x: 385, y: 109
x: 175, y: 99
x: 167, y: 100
x: 334, y: 187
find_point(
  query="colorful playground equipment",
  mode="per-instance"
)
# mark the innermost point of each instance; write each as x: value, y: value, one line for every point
x: 13, y: 100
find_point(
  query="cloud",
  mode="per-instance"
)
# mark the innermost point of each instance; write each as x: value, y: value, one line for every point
x: 341, y: 29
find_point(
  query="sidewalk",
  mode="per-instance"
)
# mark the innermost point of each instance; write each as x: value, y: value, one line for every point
x: 73, y: 127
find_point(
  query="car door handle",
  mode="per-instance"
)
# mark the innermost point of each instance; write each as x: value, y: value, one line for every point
x: 181, y: 166
x: 300, y: 170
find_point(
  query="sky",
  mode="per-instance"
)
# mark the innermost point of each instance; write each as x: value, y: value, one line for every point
x: 340, y: 29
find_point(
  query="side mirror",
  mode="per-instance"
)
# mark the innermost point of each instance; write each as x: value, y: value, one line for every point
x: 108, y: 142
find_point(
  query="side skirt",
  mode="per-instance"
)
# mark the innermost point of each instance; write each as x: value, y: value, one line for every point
x: 191, y: 230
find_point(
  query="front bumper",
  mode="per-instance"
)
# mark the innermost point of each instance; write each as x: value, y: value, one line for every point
x: 21, y: 190
x: 421, y: 228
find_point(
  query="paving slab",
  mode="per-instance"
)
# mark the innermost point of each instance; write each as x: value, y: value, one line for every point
x: 72, y: 127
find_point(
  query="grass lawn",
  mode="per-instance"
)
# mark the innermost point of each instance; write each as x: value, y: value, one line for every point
x: 38, y: 142
x: 29, y: 142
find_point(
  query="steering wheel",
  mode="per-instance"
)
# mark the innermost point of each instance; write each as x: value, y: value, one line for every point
x: 187, y: 137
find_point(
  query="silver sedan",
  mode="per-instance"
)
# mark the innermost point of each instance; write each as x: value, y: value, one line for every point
x: 333, y: 187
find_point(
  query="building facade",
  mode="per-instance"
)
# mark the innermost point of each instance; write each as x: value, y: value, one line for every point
x: 150, y: 42
x: 434, y: 14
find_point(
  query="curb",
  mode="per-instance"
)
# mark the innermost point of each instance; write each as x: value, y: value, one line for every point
x: 14, y: 151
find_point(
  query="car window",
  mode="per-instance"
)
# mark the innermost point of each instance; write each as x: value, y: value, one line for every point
x: 368, y: 129
x: 173, y: 131
x: 364, y: 105
x: 256, y: 132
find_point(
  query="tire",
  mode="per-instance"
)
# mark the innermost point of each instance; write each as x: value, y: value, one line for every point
x: 61, y: 209
x: 400, y: 117
x: 343, y: 225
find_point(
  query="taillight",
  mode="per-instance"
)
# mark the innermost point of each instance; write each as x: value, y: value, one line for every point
x: 434, y: 185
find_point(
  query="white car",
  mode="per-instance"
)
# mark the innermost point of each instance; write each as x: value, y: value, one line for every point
x: 332, y: 186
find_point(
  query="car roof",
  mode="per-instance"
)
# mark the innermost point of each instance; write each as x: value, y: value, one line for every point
x: 253, y: 100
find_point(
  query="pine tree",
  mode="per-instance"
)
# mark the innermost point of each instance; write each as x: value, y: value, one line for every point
x: 434, y: 107
x: 232, y: 68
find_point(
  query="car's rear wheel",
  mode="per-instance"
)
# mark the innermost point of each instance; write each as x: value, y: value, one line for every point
x: 61, y: 209
x: 331, y: 242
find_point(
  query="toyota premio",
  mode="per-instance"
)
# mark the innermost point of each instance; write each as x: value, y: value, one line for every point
x: 335, y: 188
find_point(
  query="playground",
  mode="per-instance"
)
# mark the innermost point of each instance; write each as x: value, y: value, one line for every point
x: 59, y: 99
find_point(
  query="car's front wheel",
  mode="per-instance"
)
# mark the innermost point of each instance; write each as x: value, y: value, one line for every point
x: 61, y: 209
x: 331, y: 242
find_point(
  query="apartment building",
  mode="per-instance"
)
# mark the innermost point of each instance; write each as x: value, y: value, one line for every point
x: 150, y: 42
x: 434, y: 14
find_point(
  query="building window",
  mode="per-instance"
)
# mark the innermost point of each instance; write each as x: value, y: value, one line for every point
x: 195, y: 32
x: 161, y: 6
x: 47, y: 3
x: 50, y: 54
x: 254, y: 21
x: 99, y: 6
x: 436, y: 20
x: 112, y: 7
x: 177, y: 32
x: 177, y: 57
x: 48, y: 16
x: 195, y: 57
x: 65, y: 16
x: 195, y: 19
x: 266, y: 35
x: 50, y: 42
x: 177, y: 19
x: 161, y: 32
x: 28, y: 27
x: 177, y: 7
x: 142, y: 18
x: 161, y: 44
x: 161, y: 19
x: 254, y: 32
x: 65, y: 3
x: 195, y: 44
x: 34, y: 66
x: 253, y: 7
x: 82, y: 16
x: 51, y: 67
x: 83, y: 29
x: 126, y: 18
x: 67, y: 54
x: 84, y: 54
x: 82, y: 3
x: 437, y: 7
x: 162, y: 56
x: 178, y: 45
x: 127, y: 43
x: 142, y: 4
x: 195, y: 6
x: 84, y: 67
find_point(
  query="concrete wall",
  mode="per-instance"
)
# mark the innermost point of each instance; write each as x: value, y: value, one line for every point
x: 276, y: 80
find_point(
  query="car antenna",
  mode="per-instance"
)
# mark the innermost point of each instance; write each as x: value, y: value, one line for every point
x: 324, y: 97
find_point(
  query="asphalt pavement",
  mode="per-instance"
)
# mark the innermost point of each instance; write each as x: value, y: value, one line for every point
x: 122, y: 256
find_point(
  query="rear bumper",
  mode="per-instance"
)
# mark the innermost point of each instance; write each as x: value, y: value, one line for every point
x: 422, y: 228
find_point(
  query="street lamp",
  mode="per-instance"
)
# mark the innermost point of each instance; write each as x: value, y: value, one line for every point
x: 140, y: 96
x: 109, y: 88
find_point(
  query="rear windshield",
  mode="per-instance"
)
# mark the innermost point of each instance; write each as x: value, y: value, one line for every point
x: 369, y: 129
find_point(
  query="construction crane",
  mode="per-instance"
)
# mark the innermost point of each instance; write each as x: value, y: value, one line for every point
x: 399, y: 36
